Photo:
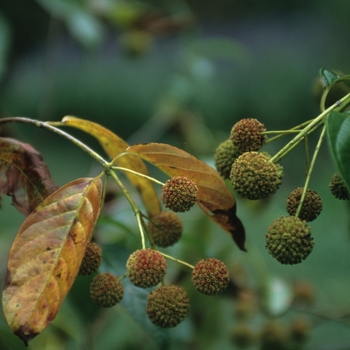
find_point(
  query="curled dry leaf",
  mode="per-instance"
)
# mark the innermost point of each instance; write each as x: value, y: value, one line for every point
x: 46, y: 255
x: 113, y: 145
x: 213, y: 196
x: 23, y: 175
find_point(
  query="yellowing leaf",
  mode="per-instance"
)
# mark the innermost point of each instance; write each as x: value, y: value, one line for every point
x: 46, y: 255
x: 213, y: 196
x: 23, y: 175
x: 113, y: 145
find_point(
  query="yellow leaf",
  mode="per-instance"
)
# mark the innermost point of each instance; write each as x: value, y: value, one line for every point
x: 213, y: 197
x: 113, y: 145
x: 46, y: 255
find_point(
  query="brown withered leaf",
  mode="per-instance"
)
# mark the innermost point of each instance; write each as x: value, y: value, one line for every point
x: 214, y: 198
x: 113, y: 145
x: 46, y: 255
x: 23, y: 175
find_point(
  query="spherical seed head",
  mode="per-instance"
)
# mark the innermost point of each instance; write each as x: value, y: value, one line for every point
x: 242, y: 335
x: 165, y: 228
x: 246, y: 135
x: 254, y: 177
x: 338, y: 187
x: 106, y: 290
x: 225, y: 155
x: 167, y: 306
x: 304, y: 292
x: 312, y: 205
x: 91, y: 260
x: 179, y: 194
x: 146, y: 267
x: 289, y: 240
x: 210, y: 276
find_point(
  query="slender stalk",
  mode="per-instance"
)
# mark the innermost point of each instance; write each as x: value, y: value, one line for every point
x: 298, y: 138
x: 132, y: 204
x: 177, y: 260
x: 57, y: 131
x: 139, y: 174
x: 312, y: 164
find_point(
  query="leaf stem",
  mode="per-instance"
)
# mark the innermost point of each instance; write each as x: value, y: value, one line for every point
x: 57, y: 131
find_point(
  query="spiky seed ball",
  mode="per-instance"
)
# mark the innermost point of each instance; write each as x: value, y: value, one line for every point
x: 165, y: 228
x: 246, y: 135
x: 210, y: 276
x: 167, y: 306
x: 91, y: 260
x: 312, y: 205
x: 338, y: 187
x: 225, y: 155
x: 242, y: 335
x: 106, y: 290
x: 179, y: 194
x: 254, y: 177
x: 146, y: 268
x: 289, y: 240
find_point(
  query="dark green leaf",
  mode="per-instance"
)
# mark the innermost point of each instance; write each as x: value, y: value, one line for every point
x: 338, y: 129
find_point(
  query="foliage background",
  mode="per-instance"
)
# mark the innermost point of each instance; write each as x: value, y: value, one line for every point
x: 184, y: 80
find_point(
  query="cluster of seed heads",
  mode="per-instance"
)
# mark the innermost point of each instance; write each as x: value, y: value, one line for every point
x: 254, y: 175
x: 167, y: 306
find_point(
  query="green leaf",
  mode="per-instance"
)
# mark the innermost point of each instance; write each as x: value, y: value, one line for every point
x: 338, y: 130
x: 328, y: 77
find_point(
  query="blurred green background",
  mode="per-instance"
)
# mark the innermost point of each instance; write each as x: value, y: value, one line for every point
x: 183, y: 72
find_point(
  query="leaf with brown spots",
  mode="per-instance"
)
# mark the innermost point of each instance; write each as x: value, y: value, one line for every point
x: 46, y: 255
x: 113, y: 145
x: 213, y: 196
x: 23, y: 175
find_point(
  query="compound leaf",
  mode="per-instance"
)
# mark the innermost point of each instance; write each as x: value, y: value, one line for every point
x: 46, y: 254
x: 23, y: 175
x: 113, y: 145
x: 213, y: 197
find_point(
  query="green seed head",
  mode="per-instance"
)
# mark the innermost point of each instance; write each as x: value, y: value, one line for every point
x: 179, y: 194
x: 225, y: 155
x: 289, y: 240
x: 312, y: 205
x: 165, y: 228
x: 210, y: 276
x: 167, y: 306
x: 246, y: 135
x: 146, y: 268
x: 338, y: 187
x: 254, y: 177
x: 106, y: 290
x: 92, y: 259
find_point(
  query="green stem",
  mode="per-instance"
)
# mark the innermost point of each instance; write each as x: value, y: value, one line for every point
x: 139, y: 174
x: 311, y: 126
x: 312, y: 164
x: 132, y: 204
x: 177, y: 260
x: 57, y: 131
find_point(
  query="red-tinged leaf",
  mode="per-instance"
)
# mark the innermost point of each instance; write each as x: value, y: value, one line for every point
x: 46, y: 255
x: 113, y: 145
x: 213, y: 196
x: 23, y: 175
